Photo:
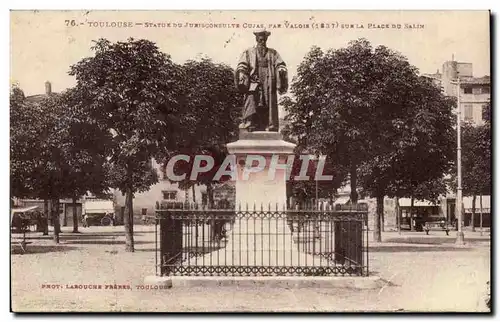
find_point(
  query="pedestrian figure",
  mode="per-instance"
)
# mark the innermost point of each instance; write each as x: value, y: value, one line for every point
x: 85, y: 220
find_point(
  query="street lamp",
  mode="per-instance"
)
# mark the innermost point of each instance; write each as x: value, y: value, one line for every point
x: 459, y: 210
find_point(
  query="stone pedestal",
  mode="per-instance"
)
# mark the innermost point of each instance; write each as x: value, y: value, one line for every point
x: 259, y: 190
x: 264, y: 239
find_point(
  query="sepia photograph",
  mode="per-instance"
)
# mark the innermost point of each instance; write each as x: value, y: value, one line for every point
x: 250, y: 161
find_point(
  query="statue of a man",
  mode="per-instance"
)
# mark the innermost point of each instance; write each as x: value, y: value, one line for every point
x: 260, y: 75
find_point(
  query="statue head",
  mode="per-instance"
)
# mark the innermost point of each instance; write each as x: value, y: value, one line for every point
x: 261, y: 37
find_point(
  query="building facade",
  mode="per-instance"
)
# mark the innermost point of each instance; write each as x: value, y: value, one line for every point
x: 475, y: 92
x: 164, y: 192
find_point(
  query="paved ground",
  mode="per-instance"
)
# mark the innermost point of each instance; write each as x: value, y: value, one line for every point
x: 425, y: 273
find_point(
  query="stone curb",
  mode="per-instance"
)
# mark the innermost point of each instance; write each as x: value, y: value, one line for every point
x: 351, y: 282
x: 160, y: 282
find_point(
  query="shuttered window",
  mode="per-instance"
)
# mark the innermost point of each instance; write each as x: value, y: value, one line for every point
x: 468, y: 112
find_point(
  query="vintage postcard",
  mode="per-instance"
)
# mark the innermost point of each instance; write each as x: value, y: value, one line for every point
x: 250, y: 161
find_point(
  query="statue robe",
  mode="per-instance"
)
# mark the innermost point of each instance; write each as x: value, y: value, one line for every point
x: 267, y: 77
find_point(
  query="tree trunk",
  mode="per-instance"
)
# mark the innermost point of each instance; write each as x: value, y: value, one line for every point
x: 55, y: 220
x: 210, y: 195
x: 46, y: 217
x: 377, y: 236
x: 412, y: 227
x: 75, y: 216
x: 398, y: 216
x: 382, y: 221
x: 473, y: 212
x: 128, y: 221
x: 354, y: 182
x: 65, y: 219
x: 194, y: 194
x: 481, y: 214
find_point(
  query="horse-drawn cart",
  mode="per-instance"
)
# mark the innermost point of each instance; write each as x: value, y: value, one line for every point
x: 21, y: 219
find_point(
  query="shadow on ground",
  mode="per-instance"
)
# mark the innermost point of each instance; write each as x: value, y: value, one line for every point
x: 147, y: 231
x: 41, y: 249
x: 434, y: 240
x: 104, y: 242
x: 145, y: 249
x: 78, y: 236
x: 402, y: 249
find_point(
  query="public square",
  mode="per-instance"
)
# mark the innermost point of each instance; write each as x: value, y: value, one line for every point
x: 422, y: 273
x: 204, y: 162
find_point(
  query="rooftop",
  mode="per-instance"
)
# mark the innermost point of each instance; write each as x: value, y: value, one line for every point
x: 36, y: 98
x: 40, y: 97
x: 476, y: 80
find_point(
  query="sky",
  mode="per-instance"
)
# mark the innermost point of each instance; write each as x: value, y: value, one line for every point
x: 44, y: 43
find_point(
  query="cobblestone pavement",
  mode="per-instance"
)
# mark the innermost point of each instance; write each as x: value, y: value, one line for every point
x: 423, y: 273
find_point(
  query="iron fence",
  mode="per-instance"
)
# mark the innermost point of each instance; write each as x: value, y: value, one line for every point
x: 196, y: 241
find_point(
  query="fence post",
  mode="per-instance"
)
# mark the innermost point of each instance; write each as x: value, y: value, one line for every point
x: 170, y: 242
x: 164, y: 253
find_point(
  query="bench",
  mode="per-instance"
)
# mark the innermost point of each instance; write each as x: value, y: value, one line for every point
x: 438, y: 226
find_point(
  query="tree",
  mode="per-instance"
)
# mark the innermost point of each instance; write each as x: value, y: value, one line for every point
x: 22, y: 135
x: 303, y: 191
x: 416, y: 149
x: 84, y: 145
x: 211, y: 116
x: 476, y: 162
x: 363, y: 106
x: 486, y: 113
x: 37, y: 153
x: 57, y: 152
x: 36, y: 165
x: 340, y: 99
x: 136, y: 92
x: 217, y: 153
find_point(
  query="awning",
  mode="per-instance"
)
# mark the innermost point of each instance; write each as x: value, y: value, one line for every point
x: 467, y: 201
x: 406, y: 202
x: 23, y: 209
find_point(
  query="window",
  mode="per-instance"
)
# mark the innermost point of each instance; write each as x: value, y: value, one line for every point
x: 485, y: 90
x: 169, y: 195
x: 468, y: 90
x: 476, y: 90
x: 468, y: 112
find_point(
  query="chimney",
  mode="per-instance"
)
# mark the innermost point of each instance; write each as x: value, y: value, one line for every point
x: 48, y: 88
